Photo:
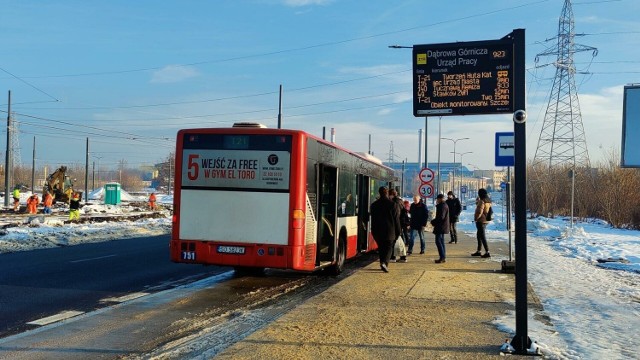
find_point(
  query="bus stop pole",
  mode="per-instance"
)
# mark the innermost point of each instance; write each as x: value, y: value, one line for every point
x: 520, y: 342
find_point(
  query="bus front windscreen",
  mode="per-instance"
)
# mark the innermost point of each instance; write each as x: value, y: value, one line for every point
x: 236, y: 161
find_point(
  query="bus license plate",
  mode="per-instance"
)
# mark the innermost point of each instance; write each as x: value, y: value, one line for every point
x: 188, y: 255
x: 230, y: 249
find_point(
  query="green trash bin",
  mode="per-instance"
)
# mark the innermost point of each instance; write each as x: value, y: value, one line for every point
x: 112, y: 194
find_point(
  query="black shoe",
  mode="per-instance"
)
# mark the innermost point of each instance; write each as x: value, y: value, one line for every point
x: 384, y: 268
x: 486, y: 255
x: 421, y: 252
x: 441, y: 261
x: 477, y: 253
x: 408, y: 253
x: 403, y: 259
x: 451, y: 242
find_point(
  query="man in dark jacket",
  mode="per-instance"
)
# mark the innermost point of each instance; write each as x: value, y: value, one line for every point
x: 441, y: 226
x: 454, y: 213
x: 385, y: 226
x: 403, y: 216
x: 419, y: 216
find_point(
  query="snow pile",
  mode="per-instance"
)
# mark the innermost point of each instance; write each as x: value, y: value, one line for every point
x: 42, y: 231
x: 591, y: 308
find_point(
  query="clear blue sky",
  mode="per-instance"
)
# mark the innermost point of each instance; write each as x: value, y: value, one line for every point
x: 129, y: 74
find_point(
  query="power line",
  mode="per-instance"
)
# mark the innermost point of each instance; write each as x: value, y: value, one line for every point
x: 227, y: 97
x: 302, y: 48
x: 30, y: 85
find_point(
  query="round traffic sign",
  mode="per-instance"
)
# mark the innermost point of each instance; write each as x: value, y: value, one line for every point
x: 426, y: 190
x: 426, y: 175
x: 503, y: 185
x: 463, y: 189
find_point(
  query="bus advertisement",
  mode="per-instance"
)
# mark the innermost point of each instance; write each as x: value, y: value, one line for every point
x: 255, y: 198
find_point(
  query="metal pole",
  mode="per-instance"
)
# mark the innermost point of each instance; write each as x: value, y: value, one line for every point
x: 7, y: 164
x: 419, y: 149
x: 86, y: 174
x: 426, y: 141
x: 508, y: 190
x: 520, y: 341
x: 573, y: 188
x: 454, y: 167
x: 93, y: 177
x: 280, y: 109
x: 402, y: 183
x: 33, y: 168
x: 170, y: 176
x: 439, y: 143
x: 369, y: 145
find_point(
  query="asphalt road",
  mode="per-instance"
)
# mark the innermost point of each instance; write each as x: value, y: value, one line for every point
x: 40, y: 283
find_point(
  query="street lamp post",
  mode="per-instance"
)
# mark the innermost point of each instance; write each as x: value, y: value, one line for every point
x: 461, y: 177
x: 461, y: 155
x: 455, y: 141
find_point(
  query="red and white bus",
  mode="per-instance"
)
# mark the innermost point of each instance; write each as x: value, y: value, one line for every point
x: 254, y: 198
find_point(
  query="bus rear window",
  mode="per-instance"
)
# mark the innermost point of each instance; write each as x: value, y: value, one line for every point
x: 237, y: 142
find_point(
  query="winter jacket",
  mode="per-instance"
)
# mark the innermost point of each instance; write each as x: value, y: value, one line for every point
x: 385, y: 222
x: 419, y: 215
x: 74, y: 204
x: 482, y: 208
x: 404, y: 215
x: 454, y: 209
x: 33, y: 200
x: 440, y: 222
x: 48, y: 200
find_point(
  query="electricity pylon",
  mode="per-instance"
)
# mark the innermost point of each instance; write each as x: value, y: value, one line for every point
x: 562, y: 140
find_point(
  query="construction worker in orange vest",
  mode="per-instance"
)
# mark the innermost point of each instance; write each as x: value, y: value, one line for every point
x: 32, y: 203
x: 47, y: 201
x: 152, y: 201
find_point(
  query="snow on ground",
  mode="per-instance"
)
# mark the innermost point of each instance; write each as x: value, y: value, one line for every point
x: 594, y: 307
x: 51, y: 231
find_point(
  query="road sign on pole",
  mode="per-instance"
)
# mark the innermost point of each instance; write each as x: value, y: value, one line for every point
x: 426, y: 175
x: 505, y: 149
x: 426, y: 190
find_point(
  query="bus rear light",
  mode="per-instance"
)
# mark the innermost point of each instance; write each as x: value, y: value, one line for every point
x: 174, y: 219
x: 297, y: 216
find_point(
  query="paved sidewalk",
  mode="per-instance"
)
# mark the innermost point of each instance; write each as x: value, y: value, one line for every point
x: 419, y: 310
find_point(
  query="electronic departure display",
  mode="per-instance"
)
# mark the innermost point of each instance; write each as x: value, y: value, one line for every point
x: 463, y: 78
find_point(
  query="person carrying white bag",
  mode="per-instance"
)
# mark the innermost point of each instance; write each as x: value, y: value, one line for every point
x: 399, y: 248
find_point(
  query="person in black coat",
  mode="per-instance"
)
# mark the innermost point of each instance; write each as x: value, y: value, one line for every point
x: 441, y: 226
x: 419, y: 217
x: 454, y: 213
x: 403, y: 215
x: 385, y: 226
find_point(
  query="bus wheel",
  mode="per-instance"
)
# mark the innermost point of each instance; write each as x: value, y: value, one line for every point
x: 248, y: 271
x: 341, y: 255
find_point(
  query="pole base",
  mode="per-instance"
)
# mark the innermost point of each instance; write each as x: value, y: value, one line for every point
x: 524, y: 347
x: 508, y: 267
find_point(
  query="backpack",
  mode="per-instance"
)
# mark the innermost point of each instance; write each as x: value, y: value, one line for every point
x: 489, y: 216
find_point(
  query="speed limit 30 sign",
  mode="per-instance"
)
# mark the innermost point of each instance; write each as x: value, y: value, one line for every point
x: 426, y: 190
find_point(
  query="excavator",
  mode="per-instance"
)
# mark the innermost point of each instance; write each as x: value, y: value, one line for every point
x: 58, y: 185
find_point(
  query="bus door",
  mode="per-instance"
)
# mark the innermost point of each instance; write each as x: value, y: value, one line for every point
x: 327, y: 212
x: 363, y: 213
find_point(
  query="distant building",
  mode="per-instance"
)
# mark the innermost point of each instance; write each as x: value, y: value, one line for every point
x: 471, y: 180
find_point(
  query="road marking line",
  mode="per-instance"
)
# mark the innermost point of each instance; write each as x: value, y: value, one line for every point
x: 125, y: 297
x: 55, y: 318
x: 96, y: 258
